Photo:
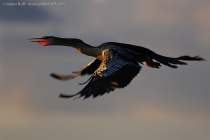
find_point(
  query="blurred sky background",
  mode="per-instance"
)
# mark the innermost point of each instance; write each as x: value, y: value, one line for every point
x: 159, y: 104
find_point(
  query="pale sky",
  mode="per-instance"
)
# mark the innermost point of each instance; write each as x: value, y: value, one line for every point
x: 158, y: 104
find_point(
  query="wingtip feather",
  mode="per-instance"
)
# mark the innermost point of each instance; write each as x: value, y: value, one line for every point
x: 61, y: 95
x: 54, y: 76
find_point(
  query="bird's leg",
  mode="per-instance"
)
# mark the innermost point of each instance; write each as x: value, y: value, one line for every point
x: 150, y: 63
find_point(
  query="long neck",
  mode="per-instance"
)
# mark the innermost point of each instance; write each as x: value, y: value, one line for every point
x: 81, y: 46
x: 88, y: 50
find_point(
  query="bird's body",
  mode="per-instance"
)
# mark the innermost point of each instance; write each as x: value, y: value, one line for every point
x: 115, y: 64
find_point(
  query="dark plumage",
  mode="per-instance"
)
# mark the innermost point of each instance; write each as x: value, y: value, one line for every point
x: 115, y: 66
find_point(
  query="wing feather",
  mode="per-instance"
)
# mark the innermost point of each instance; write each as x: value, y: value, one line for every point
x: 115, y: 71
x: 89, y: 69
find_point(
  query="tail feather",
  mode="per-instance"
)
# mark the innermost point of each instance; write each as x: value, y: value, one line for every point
x: 169, y: 61
x: 189, y: 58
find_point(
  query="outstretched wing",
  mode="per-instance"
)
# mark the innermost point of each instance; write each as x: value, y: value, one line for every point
x: 115, y: 71
x: 89, y: 69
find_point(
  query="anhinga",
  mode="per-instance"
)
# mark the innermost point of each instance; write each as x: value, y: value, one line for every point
x: 114, y: 66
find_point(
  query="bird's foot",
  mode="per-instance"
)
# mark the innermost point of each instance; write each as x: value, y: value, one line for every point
x: 151, y: 63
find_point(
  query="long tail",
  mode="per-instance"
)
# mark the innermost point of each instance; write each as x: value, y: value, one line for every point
x: 169, y: 61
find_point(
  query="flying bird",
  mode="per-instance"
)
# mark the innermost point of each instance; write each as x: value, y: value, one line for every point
x: 114, y: 66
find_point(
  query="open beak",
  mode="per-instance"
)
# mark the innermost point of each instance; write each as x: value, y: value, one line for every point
x: 41, y: 41
x: 36, y: 40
